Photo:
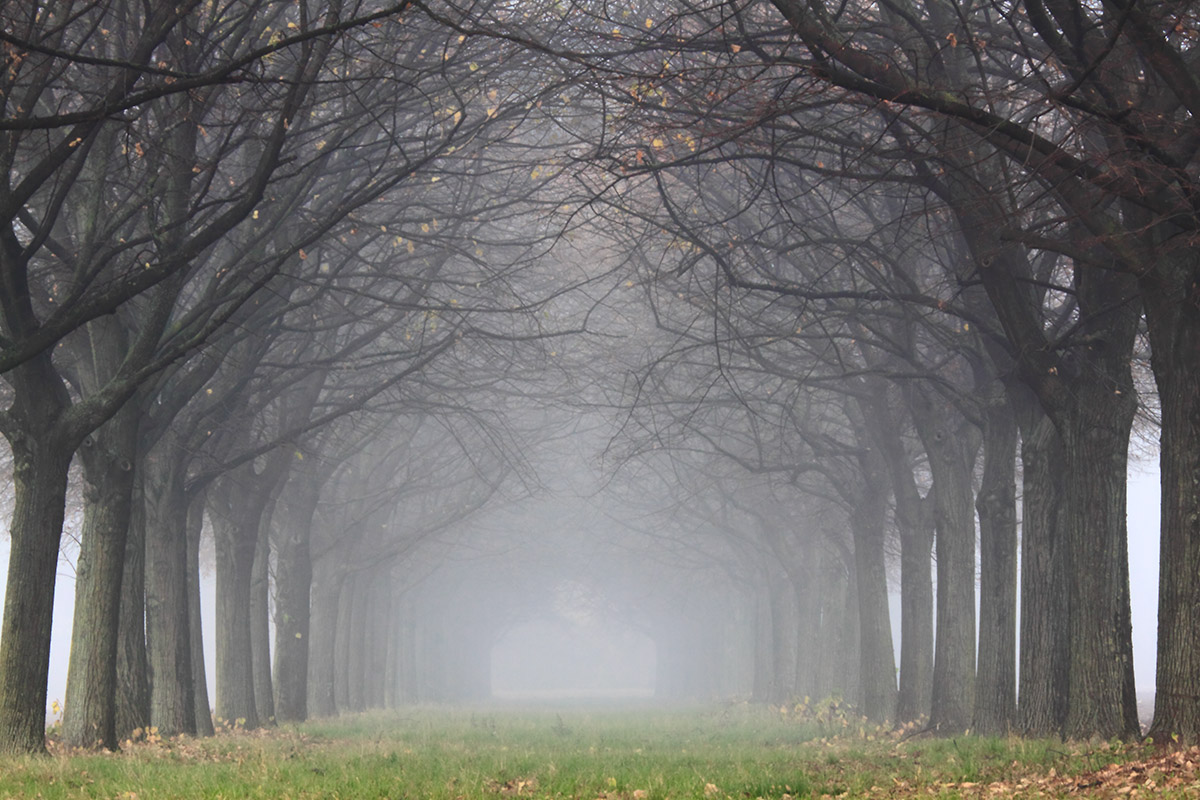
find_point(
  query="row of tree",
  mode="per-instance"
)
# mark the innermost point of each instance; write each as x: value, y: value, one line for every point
x: 890, y: 258
x: 244, y: 245
x: 954, y: 220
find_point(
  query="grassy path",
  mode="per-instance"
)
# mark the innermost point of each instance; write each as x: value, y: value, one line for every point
x: 633, y: 753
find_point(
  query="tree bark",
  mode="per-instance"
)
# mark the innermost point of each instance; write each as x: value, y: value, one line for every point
x: 916, y: 620
x: 391, y: 652
x: 764, y: 662
x: 293, y: 587
x: 89, y: 715
x: 995, y: 680
x: 168, y: 628
x: 344, y: 644
x: 357, y: 646
x: 260, y: 628
x: 40, y: 478
x: 1101, y: 700
x: 195, y: 531
x: 846, y: 678
x: 951, y: 444
x: 133, y: 678
x: 1043, y: 674
x: 877, y: 659
x: 1173, y: 317
x: 914, y: 520
x: 808, y: 643
x: 407, y: 675
x: 327, y: 588
x: 784, y: 625
x: 379, y: 640
x: 235, y: 509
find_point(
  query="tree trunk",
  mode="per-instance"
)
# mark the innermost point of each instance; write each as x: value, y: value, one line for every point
x: 808, y: 644
x: 40, y: 476
x: 1084, y: 383
x: 951, y: 444
x: 355, y: 623
x: 237, y: 503
x: 344, y: 644
x: 784, y: 625
x: 954, y: 651
x: 391, y: 653
x: 235, y: 520
x: 846, y: 678
x: 293, y: 587
x: 1101, y: 700
x: 407, y: 669
x: 89, y: 715
x: 133, y: 678
x: 764, y: 662
x: 195, y: 530
x: 327, y: 588
x: 168, y: 628
x: 260, y: 627
x: 995, y: 681
x: 1043, y: 674
x: 916, y: 621
x: 877, y: 659
x: 379, y: 638
x: 1175, y: 340
x: 914, y: 520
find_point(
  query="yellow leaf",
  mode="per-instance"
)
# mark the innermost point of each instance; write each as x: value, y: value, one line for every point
x: 656, y: 142
x: 649, y: 22
x: 736, y: 48
x: 411, y: 247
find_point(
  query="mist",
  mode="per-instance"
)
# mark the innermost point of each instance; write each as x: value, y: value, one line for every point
x: 359, y: 357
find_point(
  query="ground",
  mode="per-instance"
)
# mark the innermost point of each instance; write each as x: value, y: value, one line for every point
x: 592, y: 752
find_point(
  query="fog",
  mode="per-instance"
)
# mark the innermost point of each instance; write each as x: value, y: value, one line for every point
x: 571, y: 644
x: 565, y: 658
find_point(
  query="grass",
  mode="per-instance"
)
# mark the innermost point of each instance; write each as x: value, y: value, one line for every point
x: 588, y: 752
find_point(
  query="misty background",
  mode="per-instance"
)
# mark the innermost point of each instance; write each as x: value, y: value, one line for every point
x: 573, y: 650
x: 374, y: 355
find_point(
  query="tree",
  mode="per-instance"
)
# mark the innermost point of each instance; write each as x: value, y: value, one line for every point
x: 67, y: 261
x: 1103, y: 129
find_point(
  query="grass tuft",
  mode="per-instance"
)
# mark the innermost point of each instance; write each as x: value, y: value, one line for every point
x: 590, y: 752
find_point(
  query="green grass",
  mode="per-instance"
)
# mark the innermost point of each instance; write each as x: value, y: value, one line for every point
x: 587, y: 752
